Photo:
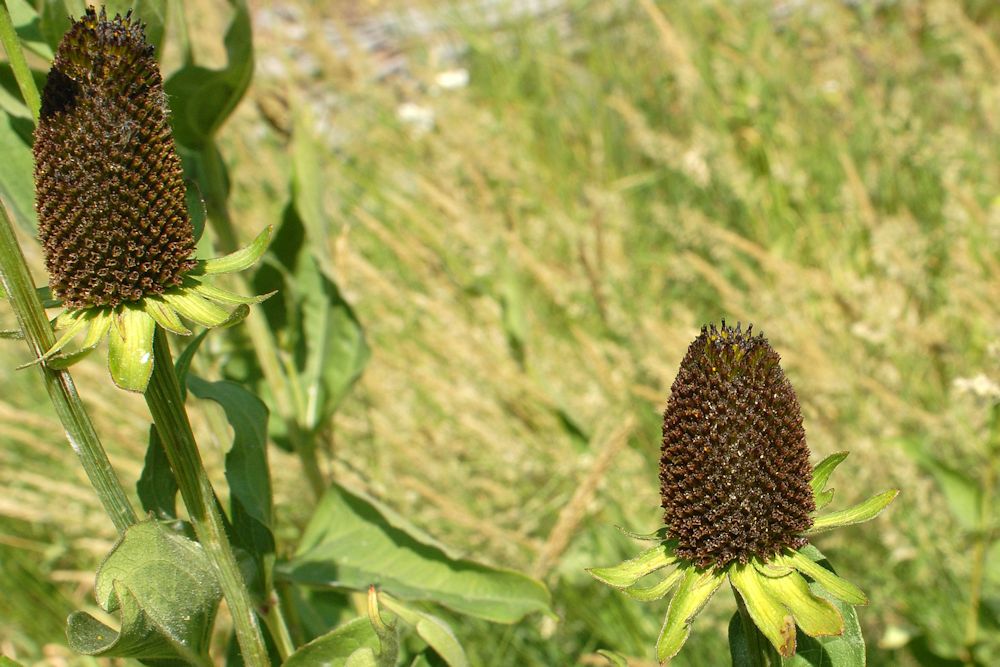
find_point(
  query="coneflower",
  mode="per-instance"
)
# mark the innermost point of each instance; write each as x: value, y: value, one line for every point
x: 740, y: 498
x: 111, y: 203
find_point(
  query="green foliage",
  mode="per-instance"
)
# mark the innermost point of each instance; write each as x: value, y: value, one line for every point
x: 353, y: 542
x: 165, y: 591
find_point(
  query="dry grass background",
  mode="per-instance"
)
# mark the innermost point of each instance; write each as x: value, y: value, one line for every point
x: 531, y: 268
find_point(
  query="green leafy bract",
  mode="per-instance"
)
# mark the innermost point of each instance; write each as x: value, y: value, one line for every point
x: 352, y: 542
x: 163, y: 587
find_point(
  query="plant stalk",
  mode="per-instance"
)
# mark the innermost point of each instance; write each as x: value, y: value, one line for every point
x: 22, y: 73
x: 59, y: 384
x: 163, y: 396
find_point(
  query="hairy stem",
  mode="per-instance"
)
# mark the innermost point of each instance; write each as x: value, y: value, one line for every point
x: 22, y: 73
x: 59, y: 384
x: 163, y: 396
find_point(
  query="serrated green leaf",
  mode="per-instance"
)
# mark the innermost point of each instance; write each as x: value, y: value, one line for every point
x: 130, y: 349
x: 335, y: 648
x: 202, y: 98
x: 432, y: 629
x: 859, y: 513
x: 692, y: 595
x: 163, y: 588
x: 247, y: 473
x: 353, y: 542
x: 632, y: 570
x: 770, y: 617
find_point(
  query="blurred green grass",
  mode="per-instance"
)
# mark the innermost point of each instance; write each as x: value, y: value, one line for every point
x: 531, y: 269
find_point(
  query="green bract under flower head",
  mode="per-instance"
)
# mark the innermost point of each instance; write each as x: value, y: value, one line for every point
x: 111, y: 205
x: 734, y: 467
x: 110, y: 194
x: 740, y: 499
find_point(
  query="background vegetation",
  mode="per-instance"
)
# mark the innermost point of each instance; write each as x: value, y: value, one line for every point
x: 531, y: 253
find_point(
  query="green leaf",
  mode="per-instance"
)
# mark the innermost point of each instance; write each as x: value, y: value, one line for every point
x: 628, y: 572
x: 320, y: 330
x: 196, y: 308
x: 247, y: 473
x: 770, y: 617
x: 353, y: 542
x: 656, y: 591
x: 164, y: 590
x: 239, y: 260
x: 859, y: 513
x: 432, y: 629
x: 821, y: 474
x: 805, y: 560
x: 17, y: 185
x: 335, y: 648
x: 658, y: 535
x: 130, y: 353
x: 28, y: 25
x: 308, y: 185
x: 691, y: 597
x: 814, y: 615
x: 201, y: 98
x: 615, y: 659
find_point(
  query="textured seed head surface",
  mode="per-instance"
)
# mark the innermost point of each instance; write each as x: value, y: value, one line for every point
x: 109, y: 190
x: 734, y: 467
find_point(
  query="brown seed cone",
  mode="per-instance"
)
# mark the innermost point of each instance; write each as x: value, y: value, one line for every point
x: 109, y: 189
x: 734, y: 467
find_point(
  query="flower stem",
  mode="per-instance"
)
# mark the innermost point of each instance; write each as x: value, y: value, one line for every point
x: 59, y: 384
x: 163, y: 396
x: 760, y: 651
x: 22, y: 73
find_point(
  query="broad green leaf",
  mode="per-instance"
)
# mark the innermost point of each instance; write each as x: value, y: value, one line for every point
x: 432, y: 629
x: 17, y: 185
x: 628, y: 572
x: 335, y: 648
x: 770, y: 617
x: 859, y: 513
x: 164, y: 590
x: 691, y: 597
x: 247, y: 472
x: 130, y: 350
x: 352, y: 542
x: 201, y: 98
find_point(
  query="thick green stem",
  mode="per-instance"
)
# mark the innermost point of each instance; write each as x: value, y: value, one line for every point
x: 761, y: 653
x: 22, y: 73
x: 265, y: 347
x: 163, y: 396
x: 59, y: 384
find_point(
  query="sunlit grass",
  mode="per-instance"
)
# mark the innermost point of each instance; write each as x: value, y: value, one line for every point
x: 531, y: 269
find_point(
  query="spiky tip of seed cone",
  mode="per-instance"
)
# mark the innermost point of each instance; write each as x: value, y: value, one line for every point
x: 734, y: 467
x: 109, y: 189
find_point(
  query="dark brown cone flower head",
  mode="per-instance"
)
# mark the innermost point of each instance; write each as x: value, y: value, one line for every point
x: 734, y: 468
x: 112, y: 215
